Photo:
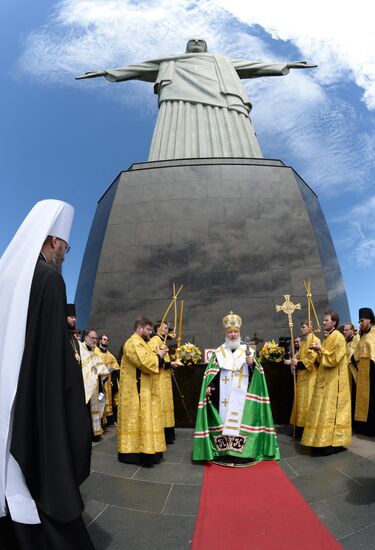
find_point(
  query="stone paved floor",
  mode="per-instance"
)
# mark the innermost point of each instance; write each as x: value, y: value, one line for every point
x: 132, y: 508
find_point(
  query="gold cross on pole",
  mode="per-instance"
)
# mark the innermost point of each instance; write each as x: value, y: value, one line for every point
x: 289, y: 308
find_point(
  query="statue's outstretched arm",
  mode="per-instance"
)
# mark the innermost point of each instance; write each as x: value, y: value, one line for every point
x: 147, y: 71
x: 91, y: 75
x: 300, y: 65
x: 247, y: 69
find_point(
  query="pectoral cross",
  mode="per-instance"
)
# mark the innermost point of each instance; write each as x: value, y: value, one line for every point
x: 225, y: 402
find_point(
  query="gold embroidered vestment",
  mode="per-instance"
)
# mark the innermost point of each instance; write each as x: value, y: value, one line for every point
x: 166, y: 389
x: 363, y: 354
x: 140, y: 426
x: 328, y: 421
x: 305, y: 379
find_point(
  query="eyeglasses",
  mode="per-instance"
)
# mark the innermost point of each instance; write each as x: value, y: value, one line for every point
x: 67, y: 247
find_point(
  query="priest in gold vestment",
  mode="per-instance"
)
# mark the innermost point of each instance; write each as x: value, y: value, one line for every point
x: 328, y: 421
x: 165, y: 380
x: 110, y: 362
x: 306, y: 365
x: 94, y: 374
x: 140, y: 429
x: 351, y: 339
x: 364, y: 361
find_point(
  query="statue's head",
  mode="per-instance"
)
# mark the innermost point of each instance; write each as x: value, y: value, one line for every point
x: 196, y: 45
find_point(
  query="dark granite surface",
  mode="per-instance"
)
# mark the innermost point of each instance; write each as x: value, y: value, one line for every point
x: 237, y: 233
x: 131, y: 508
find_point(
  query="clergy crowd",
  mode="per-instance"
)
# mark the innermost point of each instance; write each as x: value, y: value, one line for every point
x: 65, y: 387
x: 140, y: 401
x: 334, y: 383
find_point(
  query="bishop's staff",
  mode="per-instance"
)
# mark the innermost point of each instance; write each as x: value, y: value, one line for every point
x: 288, y: 308
x: 178, y: 349
x: 173, y: 302
x: 179, y: 332
x: 310, y: 306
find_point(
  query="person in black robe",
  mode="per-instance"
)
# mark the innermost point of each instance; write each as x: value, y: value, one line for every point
x: 71, y: 324
x: 51, y: 434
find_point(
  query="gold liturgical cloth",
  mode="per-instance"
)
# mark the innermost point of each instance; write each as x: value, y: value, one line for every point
x: 305, y: 379
x: 166, y: 389
x: 328, y: 421
x: 363, y: 354
x: 111, y: 363
x: 140, y: 426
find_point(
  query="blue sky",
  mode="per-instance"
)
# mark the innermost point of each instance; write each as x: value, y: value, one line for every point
x: 67, y: 139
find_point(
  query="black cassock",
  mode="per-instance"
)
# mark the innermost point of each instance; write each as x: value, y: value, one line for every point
x: 51, y: 439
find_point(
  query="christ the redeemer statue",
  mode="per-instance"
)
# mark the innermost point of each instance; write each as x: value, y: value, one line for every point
x: 203, y: 107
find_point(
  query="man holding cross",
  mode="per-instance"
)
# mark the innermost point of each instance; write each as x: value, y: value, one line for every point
x: 234, y: 420
x: 328, y: 425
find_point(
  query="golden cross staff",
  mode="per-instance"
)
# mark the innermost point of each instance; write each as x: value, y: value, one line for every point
x: 310, y: 306
x: 173, y: 302
x: 288, y: 308
x: 179, y: 333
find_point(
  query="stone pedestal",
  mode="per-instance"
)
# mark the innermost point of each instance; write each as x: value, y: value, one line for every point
x: 237, y: 233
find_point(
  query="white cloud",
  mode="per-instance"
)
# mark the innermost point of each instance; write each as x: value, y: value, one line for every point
x: 358, y: 232
x: 365, y: 253
x: 337, y: 36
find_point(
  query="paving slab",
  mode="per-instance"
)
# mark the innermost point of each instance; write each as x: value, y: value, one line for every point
x: 121, y: 529
x: 128, y: 493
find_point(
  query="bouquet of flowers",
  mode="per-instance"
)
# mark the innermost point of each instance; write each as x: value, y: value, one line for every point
x: 190, y: 355
x: 272, y: 352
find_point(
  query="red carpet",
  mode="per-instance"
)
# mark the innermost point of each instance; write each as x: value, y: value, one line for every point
x: 256, y: 508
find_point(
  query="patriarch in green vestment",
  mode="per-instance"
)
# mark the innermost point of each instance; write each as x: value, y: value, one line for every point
x: 234, y: 420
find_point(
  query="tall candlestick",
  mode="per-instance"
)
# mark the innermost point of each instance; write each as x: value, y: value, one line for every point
x: 175, y: 309
x: 179, y: 333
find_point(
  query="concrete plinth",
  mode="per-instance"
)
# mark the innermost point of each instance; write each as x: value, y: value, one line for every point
x: 237, y: 233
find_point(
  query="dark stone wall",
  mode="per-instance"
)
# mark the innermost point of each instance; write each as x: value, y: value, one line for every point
x: 237, y: 233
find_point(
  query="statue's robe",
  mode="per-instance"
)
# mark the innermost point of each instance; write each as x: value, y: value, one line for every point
x: 166, y: 391
x: 140, y: 429
x: 328, y: 421
x: 203, y: 106
x: 307, y: 368
x: 112, y: 365
x: 94, y: 372
x: 254, y: 437
x: 364, y: 394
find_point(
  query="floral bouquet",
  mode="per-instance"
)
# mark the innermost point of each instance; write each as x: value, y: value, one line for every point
x: 189, y: 355
x: 272, y: 352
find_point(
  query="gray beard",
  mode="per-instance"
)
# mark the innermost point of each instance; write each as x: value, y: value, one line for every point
x: 233, y: 344
x: 57, y: 263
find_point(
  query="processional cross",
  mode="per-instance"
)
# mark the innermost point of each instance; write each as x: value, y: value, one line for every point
x: 289, y: 308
